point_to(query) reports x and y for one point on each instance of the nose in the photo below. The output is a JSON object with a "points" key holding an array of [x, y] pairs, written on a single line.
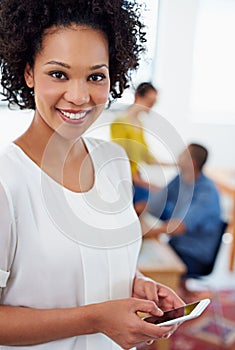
{"points": [[77, 92]]}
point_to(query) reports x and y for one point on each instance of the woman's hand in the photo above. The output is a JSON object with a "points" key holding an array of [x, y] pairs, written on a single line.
{"points": [[163, 296], [118, 320]]}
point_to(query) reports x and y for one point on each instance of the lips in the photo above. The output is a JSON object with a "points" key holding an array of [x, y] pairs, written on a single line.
{"points": [[71, 116]]}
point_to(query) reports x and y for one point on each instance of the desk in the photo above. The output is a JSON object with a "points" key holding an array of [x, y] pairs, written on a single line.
{"points": [[158, 261], [225, 181]]}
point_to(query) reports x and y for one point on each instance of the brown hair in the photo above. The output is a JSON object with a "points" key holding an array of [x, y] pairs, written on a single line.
{"points": [[199, 153]]}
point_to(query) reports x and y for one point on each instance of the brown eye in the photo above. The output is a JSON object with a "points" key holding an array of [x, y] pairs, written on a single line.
{"points": [[58, 75], [97, 77]]}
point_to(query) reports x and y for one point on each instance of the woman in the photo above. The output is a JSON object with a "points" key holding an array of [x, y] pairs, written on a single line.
{"points": [[128, 132], [69, 235]]}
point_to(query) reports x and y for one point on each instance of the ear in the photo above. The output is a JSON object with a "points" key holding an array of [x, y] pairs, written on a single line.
{"points": [[28, 75], [195, 165]]}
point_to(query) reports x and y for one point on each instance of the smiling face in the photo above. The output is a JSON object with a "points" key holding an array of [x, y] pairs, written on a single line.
{"points": [[70, 78]]}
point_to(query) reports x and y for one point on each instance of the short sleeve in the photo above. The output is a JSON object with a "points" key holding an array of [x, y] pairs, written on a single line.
{"points": [[7, 235]]}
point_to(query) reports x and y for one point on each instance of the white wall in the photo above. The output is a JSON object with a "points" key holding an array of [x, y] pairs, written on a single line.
{"points": [[13, 124], [173, 74]]}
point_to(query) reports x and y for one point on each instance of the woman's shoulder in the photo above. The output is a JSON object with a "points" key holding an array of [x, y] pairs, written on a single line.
{"points": [[7, 155], [10, 163]]}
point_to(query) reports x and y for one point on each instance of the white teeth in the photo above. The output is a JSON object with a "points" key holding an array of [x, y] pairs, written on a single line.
{"points": [[74, 115]]}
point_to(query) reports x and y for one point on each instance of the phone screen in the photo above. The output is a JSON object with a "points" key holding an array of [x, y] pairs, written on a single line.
{"points": [[172, 314]]}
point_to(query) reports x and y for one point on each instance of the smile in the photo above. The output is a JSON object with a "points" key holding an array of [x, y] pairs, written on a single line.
{"points": [[74, 116]]}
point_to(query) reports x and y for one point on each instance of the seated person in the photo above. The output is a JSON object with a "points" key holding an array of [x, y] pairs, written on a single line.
{"points": [[128, 132], [190, 211]]}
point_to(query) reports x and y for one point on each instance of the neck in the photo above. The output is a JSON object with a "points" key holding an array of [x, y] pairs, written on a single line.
{"points": [[190, 176], [44, 145], [135, 109]]}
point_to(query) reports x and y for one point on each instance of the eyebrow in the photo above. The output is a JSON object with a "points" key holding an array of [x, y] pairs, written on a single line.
{"points": [[65, 65]]}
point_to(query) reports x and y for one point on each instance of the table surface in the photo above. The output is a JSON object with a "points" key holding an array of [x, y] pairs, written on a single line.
{"points": [[222, 176], [158, 261], [156, 255]]}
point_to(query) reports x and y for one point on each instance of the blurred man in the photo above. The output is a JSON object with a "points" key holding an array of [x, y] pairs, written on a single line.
{"points": [[190, 211]]}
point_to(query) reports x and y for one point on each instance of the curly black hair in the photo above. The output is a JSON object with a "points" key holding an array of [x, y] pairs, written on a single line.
{"points": [[23, 23]]}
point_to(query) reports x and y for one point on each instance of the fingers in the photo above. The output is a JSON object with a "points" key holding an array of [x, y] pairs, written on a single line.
{"points": [[151, 291], [152, 331], [127, 328], [149, 332], [165, 335], [147, 306], [168, 298], [161, 295]]}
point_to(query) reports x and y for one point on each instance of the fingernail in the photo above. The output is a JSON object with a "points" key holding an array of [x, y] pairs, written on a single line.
{"points": [[166, 336]]}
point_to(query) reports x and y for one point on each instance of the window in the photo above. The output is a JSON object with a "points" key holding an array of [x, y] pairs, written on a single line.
{"points": [[145, 70], [213, 75]]}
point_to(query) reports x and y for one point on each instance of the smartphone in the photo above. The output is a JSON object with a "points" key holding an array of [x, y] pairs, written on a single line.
{"points": [[181, 314]]}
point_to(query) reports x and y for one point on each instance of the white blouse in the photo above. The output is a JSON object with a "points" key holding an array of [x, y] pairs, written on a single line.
{"points": [[63, 249]]}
